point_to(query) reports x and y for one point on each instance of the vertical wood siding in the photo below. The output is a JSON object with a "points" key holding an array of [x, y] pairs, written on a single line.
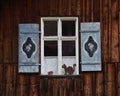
{"points": [[104, 83]]}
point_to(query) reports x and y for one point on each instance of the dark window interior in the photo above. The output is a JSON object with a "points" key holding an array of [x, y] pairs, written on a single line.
{"points": [[50, 28], [50, 48], [68, 48], [68, 28]]}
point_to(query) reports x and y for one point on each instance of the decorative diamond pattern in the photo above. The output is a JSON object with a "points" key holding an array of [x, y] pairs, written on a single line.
{"points": [[90, 46], [29, 47]]}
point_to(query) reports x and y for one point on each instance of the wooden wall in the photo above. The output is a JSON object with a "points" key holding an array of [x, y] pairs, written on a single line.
{"points": [[104, 83]]}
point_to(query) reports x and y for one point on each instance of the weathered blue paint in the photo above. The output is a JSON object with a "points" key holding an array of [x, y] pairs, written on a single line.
{"points": [[90, 46], [28, 48]]}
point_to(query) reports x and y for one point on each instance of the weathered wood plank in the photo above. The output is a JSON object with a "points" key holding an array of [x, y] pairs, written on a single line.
{"points": [[114, 37], [89, 10], [105, 31], [100, 75], [53, 7], [118, 78], [78, 87], [87, 84], [7, 52], [118, 91], [44, 5], [74, 7], [1, 80], [50, 89], [79, 9], [83, 12], [15, 21], [28, 10], [119, 35], [42, 87], [118, 75], [70, 87], [34, 12], [96, 10], [99, 84], [62, 87], [23, 86], [10, 79], [34, 86], [31, 11], [1, 44], [15, 51], [23, 10], [64, 8], [111, 84], [1, 34]]}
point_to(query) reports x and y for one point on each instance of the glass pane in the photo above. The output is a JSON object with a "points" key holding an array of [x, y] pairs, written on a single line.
{"points": [[68, 28], [51, 67], [50, 48], [70, 63], [68, 48], [50, 28]]}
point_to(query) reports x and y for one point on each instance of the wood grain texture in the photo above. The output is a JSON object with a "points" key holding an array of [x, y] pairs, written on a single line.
{"points": [[1, 42], [104, 33], [9, 80], [7, 35], [99, 88], [111, 86], [104, 83], [96, 10], [1, 80], [118, 75], [88, 84], [1, 34], [23, 86], [89, 11], [34, 86], [114, 34]]}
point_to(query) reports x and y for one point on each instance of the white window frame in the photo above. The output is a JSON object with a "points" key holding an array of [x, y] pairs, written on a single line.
{"points": [[59, 38]]}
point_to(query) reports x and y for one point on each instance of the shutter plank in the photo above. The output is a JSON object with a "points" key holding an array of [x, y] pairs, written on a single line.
{"points": [[28, 48], [90, 47]]}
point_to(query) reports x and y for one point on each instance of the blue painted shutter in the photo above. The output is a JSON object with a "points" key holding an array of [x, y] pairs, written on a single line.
{"points": [[90, 47], [28, 59]]}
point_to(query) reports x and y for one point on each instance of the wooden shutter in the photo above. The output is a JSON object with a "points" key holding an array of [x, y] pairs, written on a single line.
{"points": [[90, 47], [28, 59]]}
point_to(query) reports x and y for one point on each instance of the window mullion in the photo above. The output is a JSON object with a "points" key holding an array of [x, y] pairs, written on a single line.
{"points": [[59, 47], [77, 46], [42, 47]]}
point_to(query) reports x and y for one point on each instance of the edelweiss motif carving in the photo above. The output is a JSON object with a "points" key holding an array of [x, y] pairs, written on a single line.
{"points": [[90, 46], [29, 47]]}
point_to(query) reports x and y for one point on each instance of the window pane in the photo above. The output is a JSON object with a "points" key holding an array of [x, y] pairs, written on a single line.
{"points": [[50, 28], [68, 28], [68, 48], [50, 48]]}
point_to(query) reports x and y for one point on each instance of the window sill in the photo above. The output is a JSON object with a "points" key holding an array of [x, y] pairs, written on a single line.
{"points": [[59, 76]]}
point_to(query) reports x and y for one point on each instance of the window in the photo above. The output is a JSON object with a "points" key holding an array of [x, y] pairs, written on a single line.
{"points": [[59, 46]]}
